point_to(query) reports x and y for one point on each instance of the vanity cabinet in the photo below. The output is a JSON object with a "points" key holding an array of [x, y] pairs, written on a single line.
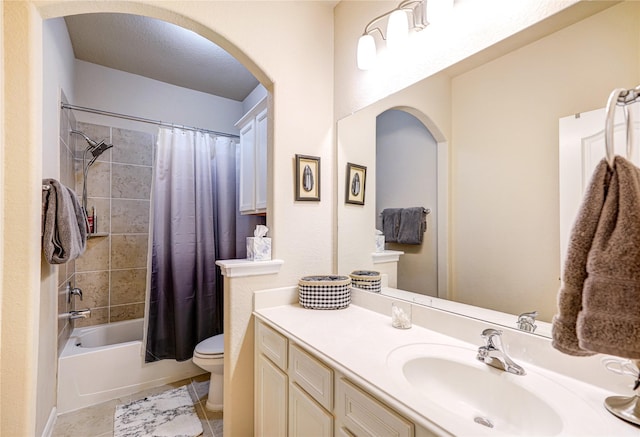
{"points": [[295, 388], [253, 159]]}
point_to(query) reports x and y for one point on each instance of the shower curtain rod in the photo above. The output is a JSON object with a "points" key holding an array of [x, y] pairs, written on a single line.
{"points": [[145, 120]]}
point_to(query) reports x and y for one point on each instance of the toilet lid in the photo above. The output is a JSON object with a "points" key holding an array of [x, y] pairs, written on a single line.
{"points": [[211, 346]]}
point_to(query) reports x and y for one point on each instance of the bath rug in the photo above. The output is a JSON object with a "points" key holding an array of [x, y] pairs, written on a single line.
{"points": [[168, 414]]}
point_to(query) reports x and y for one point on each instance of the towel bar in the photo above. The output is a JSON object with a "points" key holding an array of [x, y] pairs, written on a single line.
{"points": [[46, 187]]}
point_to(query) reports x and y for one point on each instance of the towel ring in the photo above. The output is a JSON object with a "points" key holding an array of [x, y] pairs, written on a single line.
{"points": [[623, 97]]}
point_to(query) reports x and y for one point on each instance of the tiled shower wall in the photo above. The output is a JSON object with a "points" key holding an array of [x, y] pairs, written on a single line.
{"points": [[113, 270], [66, 272]]}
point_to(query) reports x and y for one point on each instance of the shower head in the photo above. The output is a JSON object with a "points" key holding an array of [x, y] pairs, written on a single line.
{"points": [[95, 148], [100, 148], [83, 135]]}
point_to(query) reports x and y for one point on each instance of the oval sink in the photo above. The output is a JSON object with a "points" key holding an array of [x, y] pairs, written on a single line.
{"points": [[452, 378]]}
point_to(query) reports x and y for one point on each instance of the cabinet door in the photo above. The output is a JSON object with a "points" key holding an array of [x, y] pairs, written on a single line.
{"points": [[306, 417], [247, 167], [261, 160], [271, 400]]}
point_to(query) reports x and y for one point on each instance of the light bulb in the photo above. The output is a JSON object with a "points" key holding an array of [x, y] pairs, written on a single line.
{"points": [[366, 52], [397, 29]]}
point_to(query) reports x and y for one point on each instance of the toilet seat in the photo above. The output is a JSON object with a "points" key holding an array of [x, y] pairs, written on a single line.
{"points": [[212, 347]]}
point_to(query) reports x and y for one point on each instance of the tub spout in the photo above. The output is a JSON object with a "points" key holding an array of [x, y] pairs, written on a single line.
{"points": [[80, 314]]}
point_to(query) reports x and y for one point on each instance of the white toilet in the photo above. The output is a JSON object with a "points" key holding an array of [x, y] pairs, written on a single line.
{"points": [[209, 355]]}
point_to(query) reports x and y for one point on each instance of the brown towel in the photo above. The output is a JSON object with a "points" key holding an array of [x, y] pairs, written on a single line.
{"points": [[64, 227], [599, 300]]}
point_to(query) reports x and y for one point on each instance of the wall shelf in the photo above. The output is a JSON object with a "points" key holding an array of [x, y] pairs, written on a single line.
{"points": [[98, 234]]}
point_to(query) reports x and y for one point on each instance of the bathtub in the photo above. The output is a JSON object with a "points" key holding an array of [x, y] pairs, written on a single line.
{"points": [[105, 362]]}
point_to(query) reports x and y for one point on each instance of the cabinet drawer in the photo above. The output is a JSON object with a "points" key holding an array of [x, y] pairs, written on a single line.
{"points": [[363, 416], [313, 376], [272, 345]]}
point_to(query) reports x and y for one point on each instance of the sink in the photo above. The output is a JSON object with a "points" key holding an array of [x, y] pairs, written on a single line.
{"points": [[451, 378]]}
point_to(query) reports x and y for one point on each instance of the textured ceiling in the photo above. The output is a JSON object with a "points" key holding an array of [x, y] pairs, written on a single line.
{"points": [[160, 51]]}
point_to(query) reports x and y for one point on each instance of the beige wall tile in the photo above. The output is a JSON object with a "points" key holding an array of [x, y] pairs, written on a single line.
{"points": [[98, 317], [129, 251], [132, 147], [98, 179], [96, 256], [130, 181], [129, 216], [95, 289], [103, 213], [128, 286], [127, 312]]}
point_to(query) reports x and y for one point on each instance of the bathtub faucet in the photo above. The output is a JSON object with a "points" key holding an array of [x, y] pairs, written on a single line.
{"points": [[80, 314], [71, 291]]}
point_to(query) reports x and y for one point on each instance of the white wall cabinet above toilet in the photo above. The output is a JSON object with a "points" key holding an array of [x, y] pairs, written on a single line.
{"points": [[253, 159]]}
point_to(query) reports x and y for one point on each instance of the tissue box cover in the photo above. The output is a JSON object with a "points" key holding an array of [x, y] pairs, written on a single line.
{"points": [[258, 248], [379, 243]]}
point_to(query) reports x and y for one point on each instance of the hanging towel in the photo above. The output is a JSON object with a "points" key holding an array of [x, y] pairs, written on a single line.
{"points": [[391, 224], [64, 233], [599, 300], [413, 224]]}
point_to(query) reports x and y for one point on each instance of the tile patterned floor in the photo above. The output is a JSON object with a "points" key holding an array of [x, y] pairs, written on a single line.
{"points": [[97, 420]]}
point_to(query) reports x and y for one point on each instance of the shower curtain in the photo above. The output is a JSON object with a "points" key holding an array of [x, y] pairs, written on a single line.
{"points": [[195, 222]]}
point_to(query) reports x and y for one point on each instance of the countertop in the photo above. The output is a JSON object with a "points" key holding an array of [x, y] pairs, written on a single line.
{"points": [[357, 342]]}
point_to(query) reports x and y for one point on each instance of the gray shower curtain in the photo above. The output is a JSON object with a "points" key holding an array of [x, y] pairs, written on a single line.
{"points": [[195, 222]]}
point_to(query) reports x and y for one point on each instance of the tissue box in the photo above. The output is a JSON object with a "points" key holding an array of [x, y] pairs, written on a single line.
{"points": [[258, 248], [379, 243]]}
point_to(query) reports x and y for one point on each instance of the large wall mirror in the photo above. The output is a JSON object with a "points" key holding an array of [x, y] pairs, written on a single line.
{"points": [[495, 126]]}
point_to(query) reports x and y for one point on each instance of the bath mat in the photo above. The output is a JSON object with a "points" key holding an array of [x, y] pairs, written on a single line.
{"points": [[168, 414]]}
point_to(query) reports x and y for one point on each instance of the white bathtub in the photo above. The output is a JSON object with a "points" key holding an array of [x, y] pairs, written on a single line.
{"points": [[105, 362]]}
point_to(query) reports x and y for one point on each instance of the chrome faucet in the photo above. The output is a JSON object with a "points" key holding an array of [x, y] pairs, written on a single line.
{"points": [[73, 292], [493, 353], [79, 314], [527, 321]]}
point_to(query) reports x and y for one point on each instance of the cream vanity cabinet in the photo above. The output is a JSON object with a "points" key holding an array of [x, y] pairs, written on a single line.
{"points": [[297, 395], [253, 159]]}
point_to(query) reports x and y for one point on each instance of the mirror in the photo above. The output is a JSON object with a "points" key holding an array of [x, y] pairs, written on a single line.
{"points": [[495, 123]]}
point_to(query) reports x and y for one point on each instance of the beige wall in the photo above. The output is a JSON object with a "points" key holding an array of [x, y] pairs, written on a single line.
{"points": [[472, 27], [297, 70]]}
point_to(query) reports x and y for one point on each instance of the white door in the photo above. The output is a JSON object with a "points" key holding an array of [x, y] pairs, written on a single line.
{"points": [[581, 149]]}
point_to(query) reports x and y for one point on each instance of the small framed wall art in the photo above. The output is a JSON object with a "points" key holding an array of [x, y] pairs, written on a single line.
{"points": [[355, 184], [307, 178]]}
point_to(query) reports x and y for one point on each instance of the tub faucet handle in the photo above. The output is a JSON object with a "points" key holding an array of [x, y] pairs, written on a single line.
{"points": [[73, 291]]}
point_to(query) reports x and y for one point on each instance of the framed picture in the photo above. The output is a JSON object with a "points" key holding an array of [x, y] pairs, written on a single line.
{"points": [[356, 180], [307, 178]]}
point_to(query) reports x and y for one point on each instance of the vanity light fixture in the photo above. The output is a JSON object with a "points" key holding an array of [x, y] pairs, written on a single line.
{"points": [[408, 15]]}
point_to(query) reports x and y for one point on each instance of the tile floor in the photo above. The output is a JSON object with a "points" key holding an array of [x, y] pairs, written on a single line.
{"points": [[97, 420]]}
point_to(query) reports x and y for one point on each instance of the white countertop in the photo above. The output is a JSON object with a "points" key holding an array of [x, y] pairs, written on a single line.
{"points": [[357, 342]]}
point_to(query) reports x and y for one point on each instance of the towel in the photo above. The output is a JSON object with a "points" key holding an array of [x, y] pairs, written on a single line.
{"points": [[391, 224], [599, 299], [413, 224], [64, 233]]}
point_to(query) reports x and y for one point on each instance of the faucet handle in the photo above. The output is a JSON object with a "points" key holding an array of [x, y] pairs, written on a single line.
{"points": [[492, 337], [527, 321]]}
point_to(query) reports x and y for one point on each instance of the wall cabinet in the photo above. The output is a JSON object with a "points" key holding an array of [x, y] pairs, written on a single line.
{"points": [[253, 159], [314, 399]]}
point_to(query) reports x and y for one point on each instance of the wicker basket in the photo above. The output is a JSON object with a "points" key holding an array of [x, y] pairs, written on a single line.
{"points": [[324, 292], [367, 280]]}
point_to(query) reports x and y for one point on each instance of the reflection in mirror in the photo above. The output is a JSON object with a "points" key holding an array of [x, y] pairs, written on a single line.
{"points": [[406, 166], [498, 114]]}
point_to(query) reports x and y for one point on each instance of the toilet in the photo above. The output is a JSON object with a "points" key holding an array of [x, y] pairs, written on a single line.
{"points": [[209, 355]]}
